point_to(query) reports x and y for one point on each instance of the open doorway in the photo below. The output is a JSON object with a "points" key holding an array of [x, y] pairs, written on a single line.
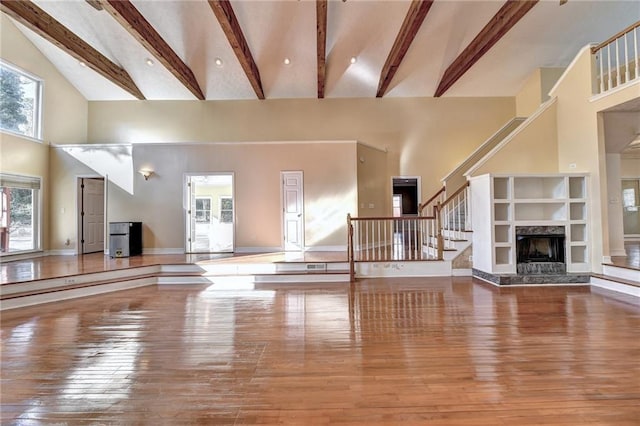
{"points": [[91, 214], [405, 195], [210, 213]]}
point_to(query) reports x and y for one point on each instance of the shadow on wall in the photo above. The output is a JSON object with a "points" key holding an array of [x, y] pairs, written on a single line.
{"points": [[114, 162]]}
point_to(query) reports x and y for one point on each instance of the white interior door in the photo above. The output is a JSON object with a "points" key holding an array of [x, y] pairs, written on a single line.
{"points": [[293, 211], [92, 215]]}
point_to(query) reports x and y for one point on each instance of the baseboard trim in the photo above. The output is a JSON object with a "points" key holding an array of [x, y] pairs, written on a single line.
{"points": [[64, 252], [326, 248], [618, 252], [176, 250], [257, 249]]}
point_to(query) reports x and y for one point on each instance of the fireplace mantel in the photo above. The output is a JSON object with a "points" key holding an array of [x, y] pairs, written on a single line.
{"points": [[500, 203]]}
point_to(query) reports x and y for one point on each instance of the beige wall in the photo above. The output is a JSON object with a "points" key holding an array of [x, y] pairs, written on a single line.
{"points": [[373, 183], [64, 120], [426, 137], [535, 90], [532, 150], [330, 189], [614, 190], [528, 98]]}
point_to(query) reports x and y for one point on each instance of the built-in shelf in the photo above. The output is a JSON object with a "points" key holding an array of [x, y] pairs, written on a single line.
{"points": [[502, 233], [579, 232], [501, 212], [503, 255], [538, 211], [501, 188], [527, 200]]}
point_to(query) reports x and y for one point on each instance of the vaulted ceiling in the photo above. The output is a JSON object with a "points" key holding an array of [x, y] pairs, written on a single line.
{"points": [[264, 49]]}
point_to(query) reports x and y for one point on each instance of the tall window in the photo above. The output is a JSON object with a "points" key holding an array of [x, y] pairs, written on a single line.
{"points": [[226, 209], [20, 101], [19, 213]]}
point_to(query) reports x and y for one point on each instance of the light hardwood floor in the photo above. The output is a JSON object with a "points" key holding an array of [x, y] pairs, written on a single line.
{"points": [[429, 351]]}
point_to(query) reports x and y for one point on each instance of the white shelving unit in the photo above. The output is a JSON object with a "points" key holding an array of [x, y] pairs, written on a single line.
{"points": [[502, 202]]}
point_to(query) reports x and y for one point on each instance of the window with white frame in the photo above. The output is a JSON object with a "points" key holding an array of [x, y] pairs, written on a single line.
{"points": [[203, 209], [19, 213], [20, 101], [226, 209]]}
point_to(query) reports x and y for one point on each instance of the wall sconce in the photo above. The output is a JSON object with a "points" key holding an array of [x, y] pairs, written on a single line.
{"points": [[145, 173]]}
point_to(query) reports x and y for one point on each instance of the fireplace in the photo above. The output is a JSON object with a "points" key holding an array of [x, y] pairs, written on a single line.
{"points": [[540, 250]]}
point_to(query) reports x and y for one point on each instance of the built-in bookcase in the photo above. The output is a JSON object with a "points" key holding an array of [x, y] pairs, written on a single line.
{"points": [[502, 202]]}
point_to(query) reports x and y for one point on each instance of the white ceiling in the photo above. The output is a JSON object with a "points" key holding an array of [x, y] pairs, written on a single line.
{"points": [[550, 35]]}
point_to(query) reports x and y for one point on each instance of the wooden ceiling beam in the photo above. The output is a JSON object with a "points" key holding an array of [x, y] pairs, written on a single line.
{"points": [[229, 23], [126, 14], [38, 21], [412, 22], [321, 30], [508, 15]]}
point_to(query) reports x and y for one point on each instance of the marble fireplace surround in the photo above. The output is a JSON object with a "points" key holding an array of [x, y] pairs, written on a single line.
{"points": [[541, 268], [536, 272]]}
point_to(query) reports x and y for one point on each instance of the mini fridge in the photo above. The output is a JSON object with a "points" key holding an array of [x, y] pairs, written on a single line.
{"points": [[125, 239]]}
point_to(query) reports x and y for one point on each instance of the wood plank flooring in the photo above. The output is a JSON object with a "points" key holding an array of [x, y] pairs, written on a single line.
{"points": [[429, 351]]}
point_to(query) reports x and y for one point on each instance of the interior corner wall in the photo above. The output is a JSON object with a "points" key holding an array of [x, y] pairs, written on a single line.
{"points": [[528, 98], [533, 150], [64, 118], [373, 185], [548, 78]]}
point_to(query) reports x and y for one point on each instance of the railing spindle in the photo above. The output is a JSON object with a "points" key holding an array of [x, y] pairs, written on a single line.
{"points": [[609, 67], [635, 42], [617, 64], [626, 59]]}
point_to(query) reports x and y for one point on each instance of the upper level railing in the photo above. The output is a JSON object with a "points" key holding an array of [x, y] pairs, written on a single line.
{"points": [[617, 59]]}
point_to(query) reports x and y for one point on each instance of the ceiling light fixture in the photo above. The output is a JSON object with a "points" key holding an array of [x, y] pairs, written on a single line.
{"points": [[82, 64], [149, 62], [287, 61], [219, 62], [353, 60]]}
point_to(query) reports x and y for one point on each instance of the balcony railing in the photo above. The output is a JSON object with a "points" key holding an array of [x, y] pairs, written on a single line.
{"points": [[617, 59]]}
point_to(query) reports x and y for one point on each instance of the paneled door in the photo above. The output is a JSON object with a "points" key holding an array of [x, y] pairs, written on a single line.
{"points": [[292, 210], [92, 214]]}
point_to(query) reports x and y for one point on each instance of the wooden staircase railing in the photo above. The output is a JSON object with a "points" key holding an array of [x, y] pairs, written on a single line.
{"points": [[454, 215], [410, 238], [431, 203]]}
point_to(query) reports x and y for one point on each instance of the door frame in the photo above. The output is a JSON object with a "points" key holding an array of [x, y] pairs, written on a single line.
{"points": [[282, 210], [419, 189], [186, 204], [78, 211]]}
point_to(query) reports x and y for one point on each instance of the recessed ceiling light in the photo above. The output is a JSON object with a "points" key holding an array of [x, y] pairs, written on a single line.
{"points": [[149, 62], [82, 64], [353, 60], [287, 61], [219, 62]]}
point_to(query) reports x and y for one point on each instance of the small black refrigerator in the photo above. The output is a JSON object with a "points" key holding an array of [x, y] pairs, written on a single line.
{"points": [[125, 239]]}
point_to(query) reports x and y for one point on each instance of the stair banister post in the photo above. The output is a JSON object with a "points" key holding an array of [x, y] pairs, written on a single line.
{"points": [[440, 240], [352, 268]]}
